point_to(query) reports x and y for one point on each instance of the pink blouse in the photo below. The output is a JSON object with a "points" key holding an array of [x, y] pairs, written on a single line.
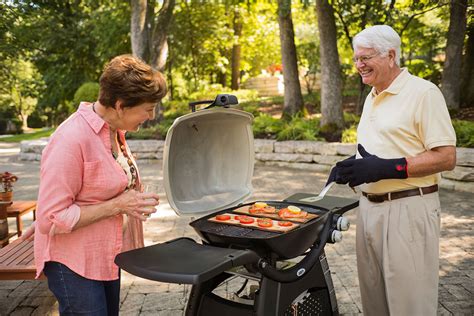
{"points": [[77, 168]]}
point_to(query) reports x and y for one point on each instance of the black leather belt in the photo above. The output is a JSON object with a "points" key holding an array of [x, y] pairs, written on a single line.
{"points": [[379, 198]]}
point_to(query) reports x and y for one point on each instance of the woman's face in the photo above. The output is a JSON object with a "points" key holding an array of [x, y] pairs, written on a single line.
{"points": [[131, 118]]}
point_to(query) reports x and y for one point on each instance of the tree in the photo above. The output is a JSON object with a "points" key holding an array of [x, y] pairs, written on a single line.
{"points": [[467, 90], [20, 88], [75, 41], [237, 22], [149, 32], [293, 100], [450, 84], [331, 80]]}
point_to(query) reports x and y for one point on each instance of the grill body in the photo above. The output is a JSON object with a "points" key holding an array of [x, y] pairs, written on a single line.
{"points": [[267, 244]]}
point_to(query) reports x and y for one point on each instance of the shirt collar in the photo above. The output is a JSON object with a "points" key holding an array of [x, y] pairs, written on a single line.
{"points": [[92, 118], [397, 84]]}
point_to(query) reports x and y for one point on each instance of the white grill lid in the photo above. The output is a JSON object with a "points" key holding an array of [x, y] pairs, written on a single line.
{"points": [[208, 161]]}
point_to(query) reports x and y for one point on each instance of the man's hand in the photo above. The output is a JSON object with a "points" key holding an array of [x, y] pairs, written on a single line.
{"points": [[334, 175], [369, 168]]}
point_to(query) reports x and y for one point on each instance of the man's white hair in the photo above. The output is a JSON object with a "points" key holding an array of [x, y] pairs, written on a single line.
{"points": [[382, 38]]}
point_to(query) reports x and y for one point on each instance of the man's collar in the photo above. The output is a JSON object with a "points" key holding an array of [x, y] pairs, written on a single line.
{"points": [[397, 84]]}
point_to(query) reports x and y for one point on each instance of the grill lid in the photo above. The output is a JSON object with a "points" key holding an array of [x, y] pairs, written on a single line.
{"points": [[208, 161]]}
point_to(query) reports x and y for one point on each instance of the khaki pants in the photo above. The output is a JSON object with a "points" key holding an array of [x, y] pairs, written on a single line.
{"points": [[397, 245]]}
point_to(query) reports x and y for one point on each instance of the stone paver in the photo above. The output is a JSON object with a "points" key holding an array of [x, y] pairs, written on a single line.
{"points": [[144, 297]]}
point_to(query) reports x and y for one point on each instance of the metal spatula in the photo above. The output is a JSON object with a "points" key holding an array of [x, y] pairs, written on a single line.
{"points": [[321, 194]]}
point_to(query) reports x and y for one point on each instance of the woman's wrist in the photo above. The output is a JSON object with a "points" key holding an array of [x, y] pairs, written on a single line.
{"points": [[114, 207]]}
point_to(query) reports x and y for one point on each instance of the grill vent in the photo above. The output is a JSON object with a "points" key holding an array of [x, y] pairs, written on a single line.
{"points": [[316, 303]]}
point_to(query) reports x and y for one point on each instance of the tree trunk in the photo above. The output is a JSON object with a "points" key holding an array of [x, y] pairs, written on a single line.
{"points": [[363, 91], [236, 50], [159, 47], [450, 83], [293, 100], [138, 29], [467, 90], [331, 79]]}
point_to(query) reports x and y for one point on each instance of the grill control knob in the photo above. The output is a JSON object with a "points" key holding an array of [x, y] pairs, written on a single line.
{"points": [[343, 223], [336, 236]]}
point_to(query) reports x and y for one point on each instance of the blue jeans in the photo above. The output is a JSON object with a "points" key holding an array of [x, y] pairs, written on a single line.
{"points": [[77, 295]]}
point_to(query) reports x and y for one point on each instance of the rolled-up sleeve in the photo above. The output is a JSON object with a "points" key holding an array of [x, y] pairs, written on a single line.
{"points": [[60, 182]]}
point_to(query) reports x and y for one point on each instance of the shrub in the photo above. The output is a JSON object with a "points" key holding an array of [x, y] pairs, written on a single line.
{"points": [[299, 128], [88, 92], [175, 109], [265, 126], [349, 135], [464, 133]]}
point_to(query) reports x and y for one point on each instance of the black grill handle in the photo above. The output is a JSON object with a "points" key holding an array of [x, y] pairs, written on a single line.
{"points": [[299, 270]]}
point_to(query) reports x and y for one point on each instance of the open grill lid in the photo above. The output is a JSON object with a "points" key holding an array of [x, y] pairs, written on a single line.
{"points": [[208, 160]]}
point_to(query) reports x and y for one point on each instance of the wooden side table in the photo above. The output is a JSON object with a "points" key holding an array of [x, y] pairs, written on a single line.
{"points": [[18, 209]]}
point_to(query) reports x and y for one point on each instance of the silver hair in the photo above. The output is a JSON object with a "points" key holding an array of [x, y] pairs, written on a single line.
{"points": [[382, 38]]}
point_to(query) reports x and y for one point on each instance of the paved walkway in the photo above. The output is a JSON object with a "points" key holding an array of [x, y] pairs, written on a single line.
{"points": [[143, 297]]}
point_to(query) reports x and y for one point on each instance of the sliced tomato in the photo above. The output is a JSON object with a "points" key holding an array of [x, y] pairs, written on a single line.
{"points": [[283, 212], [285, 223], [237, 217], [269, 210], [255, 210], [264, 222], [246, 220], [223, 217]]}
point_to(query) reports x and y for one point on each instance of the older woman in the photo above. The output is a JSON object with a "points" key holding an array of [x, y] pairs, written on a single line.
{"points": [[90, 206]]}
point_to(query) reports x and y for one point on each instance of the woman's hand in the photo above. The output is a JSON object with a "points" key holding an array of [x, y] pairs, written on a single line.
{"points": [[136, 204]]}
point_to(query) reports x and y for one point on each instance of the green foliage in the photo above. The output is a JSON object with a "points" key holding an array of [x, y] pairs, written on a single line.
{"points": [[87, 92], [464, 133], [265, 126], [299, 128], [28, 136], [175, 109], [349, 135], [157, 131], [21, 86], [68, 42], [351, 118]]}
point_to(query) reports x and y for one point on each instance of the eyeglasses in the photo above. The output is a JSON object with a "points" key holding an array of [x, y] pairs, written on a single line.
{"points": [[364, 59]]}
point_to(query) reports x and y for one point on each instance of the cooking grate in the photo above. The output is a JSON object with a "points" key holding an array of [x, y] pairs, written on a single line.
{"points": [[314, 303], [233, 231]]}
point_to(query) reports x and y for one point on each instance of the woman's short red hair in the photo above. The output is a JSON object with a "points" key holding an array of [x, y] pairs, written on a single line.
{"points": [[132, 81]]}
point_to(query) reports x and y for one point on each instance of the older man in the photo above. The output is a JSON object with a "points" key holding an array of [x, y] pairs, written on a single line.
{"points": [[405, 139]]}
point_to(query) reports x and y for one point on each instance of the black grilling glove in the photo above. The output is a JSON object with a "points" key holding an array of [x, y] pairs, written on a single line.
{"points": [[334, 175], [370, 168]]}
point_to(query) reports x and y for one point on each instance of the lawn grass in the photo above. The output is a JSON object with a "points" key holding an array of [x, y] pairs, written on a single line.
{"points": [[28, 136]]}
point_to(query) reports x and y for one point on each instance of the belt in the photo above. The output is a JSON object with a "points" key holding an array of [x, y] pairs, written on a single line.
{"points": [[379, 198]]}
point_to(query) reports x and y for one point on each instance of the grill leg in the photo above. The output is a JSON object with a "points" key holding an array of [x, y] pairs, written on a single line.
{"points": [[198, 291], [272, 299], [275, 298]]}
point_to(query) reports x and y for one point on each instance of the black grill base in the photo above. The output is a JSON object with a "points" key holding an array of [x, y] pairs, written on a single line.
{"points": [[273, 298]]}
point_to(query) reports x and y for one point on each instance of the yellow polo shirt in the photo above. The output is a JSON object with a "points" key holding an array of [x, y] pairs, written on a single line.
{"points": [[405, 120]]}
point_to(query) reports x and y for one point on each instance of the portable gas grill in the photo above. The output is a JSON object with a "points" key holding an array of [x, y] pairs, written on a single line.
{"points": [[208, 166]]}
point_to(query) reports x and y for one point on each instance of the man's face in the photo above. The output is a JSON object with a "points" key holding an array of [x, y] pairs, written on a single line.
{"points": [[373, 67]]}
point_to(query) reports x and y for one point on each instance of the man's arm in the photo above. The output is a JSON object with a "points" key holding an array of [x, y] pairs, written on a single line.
{"points": [[432, 161]]}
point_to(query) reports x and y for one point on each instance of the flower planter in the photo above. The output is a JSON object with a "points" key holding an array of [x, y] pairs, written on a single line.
{"points": [[6, 196], [3, 221]]}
